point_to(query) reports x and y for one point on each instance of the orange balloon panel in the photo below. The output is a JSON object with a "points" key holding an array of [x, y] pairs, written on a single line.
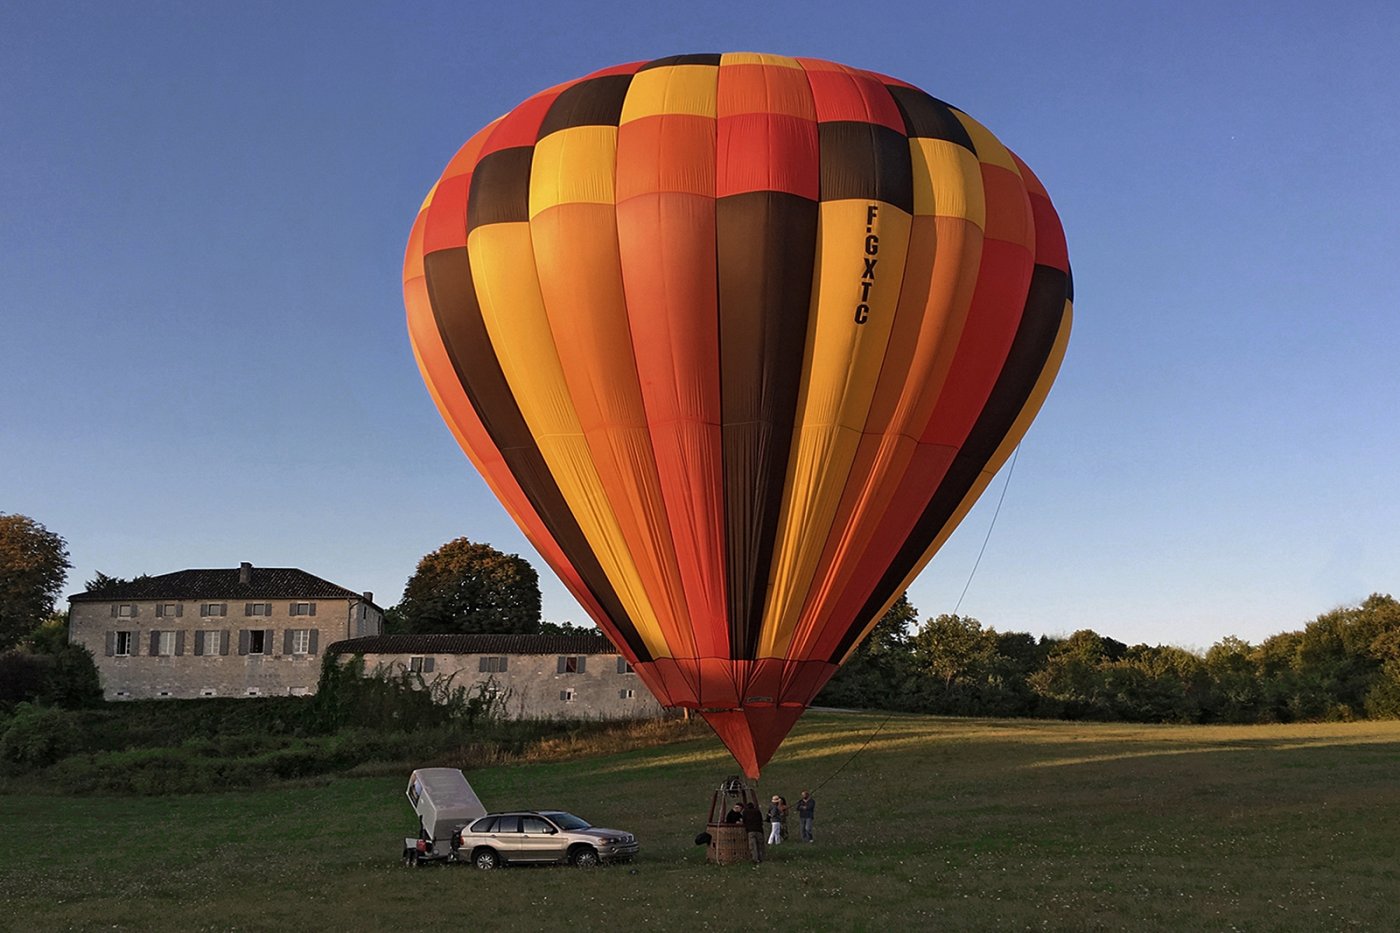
{"points": [[737, 339]]}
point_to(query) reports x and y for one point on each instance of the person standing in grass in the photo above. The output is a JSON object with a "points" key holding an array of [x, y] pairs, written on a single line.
{"points": [[806, 813], [753, 825], [775, 818]]}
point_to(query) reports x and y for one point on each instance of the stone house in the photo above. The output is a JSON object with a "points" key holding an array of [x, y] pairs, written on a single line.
{"points": [[579, 676], [239, 632]]}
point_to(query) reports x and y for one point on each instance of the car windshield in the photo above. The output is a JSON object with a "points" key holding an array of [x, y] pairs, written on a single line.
{"points": [[567, 821]]}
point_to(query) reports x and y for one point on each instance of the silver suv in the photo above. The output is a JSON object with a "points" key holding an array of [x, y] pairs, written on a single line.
{"points": [[541, 836]]}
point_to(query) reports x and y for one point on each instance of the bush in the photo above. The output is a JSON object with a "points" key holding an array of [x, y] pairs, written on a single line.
{"points": [[22, 675], [37, 736]]}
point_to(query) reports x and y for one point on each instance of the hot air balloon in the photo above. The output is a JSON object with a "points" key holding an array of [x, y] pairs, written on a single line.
{"points": [[737, 340]]}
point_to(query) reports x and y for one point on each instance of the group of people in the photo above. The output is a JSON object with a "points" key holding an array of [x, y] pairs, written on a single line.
{"points": [[777, 817]]}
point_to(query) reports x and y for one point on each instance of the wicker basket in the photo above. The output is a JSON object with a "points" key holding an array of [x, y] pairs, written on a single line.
{"points": [[729, 843]]}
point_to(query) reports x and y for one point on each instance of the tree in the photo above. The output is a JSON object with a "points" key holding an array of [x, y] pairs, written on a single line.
{"points": [[33, 565], [468, 587], [952, 645], [566, 628]]}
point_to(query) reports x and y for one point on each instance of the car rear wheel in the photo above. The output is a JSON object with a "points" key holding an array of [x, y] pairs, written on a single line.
{"points": [[486, 859], [584, 857]]}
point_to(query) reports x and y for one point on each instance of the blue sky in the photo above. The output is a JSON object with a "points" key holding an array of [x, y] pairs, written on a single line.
{"points": [[203, 210]]}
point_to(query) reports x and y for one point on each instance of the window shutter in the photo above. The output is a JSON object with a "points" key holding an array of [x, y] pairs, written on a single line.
{"points": [[243, 640], [135, 610], [160, 610], [429, 664], [223, 642], [481, 666], [180, 610], [179, 644], [155, 643], [563, 666], [114, 610], [621, 665], [563, 694], [199, 642], [315, 638], [291, 609], [268, 642], [582, 663], [112, 639], [247, 609], [204, 609], [287, 642]]}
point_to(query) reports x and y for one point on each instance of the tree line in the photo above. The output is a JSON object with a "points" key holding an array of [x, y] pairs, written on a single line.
{"points": [[1345, 664]]}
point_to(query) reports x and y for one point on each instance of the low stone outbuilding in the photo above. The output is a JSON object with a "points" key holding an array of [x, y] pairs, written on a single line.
{"points": [[536, 676], [238, 632]]}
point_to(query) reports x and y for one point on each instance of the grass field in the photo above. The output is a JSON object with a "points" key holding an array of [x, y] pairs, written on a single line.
{"points": [[938, 824]]}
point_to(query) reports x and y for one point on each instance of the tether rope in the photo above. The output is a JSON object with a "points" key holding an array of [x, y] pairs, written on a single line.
{"points": [[977, 563]]}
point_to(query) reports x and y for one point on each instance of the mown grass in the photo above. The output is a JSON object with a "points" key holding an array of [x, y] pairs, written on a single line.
{"points": [[937, 824]]}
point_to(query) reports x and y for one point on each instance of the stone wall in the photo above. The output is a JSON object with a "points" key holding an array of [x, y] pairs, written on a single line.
{"points": [[208, 654], [539, 686]]}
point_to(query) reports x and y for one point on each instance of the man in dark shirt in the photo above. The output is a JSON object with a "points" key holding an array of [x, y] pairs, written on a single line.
{"points": [[735, 814], [806, 813], [753, 825]]}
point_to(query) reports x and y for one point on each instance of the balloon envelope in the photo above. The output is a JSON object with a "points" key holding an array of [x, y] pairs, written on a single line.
{"points": [[737, 340]]}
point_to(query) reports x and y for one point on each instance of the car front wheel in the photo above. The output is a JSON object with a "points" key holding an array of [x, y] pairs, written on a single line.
{"points": [[486, 859], [584, 857]]}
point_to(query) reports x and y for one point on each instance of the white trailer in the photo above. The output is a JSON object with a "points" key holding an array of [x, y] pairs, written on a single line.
{"points": [[444, 802]]}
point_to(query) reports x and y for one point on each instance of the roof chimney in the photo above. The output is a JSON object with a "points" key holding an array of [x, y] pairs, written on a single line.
{"points": [[245, 572], [369, 596]]}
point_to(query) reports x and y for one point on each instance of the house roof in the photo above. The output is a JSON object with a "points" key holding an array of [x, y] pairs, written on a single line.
{"points": [[474, 644], [263, 583]]}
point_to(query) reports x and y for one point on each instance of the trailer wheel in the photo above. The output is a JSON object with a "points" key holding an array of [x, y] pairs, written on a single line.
{"points": [[486, 859]]}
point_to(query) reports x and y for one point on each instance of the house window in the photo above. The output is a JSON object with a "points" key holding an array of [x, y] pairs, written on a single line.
{"points": [[126, 610], [567, 696], [492, 665], [164, 693], [208, 692], [253, 692], [122, 645], [165, 645], [624, 666], [212, 642], [257, 609], [422, 665], [571, 664], [303, 609], [626, 694], [257, 641], [301, 641], [121, 694], [168, 610], [213, 610]]}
